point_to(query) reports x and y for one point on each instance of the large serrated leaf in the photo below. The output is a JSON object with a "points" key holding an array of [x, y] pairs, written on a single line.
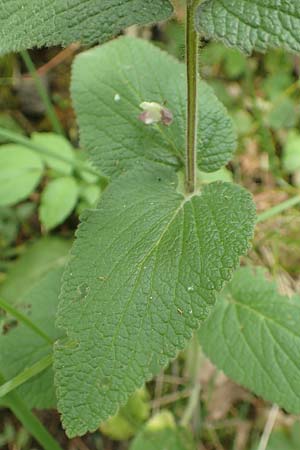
{"points": [[144, 272], [253, 336], [21, 347], [251, 24], [108, 85], [34, 23]]}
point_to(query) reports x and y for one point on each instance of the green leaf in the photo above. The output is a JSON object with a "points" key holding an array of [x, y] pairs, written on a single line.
{"points": [[9, 227], [90, 193], [161, 433], [20, 172], [144, 272], [89, 196], [251, 25], [276, 85], [58, 145], [108, 85], [291, 152], [235, 64], [21, 347], [39, 258], [130, 417], [282, 438], [32, 24], [278, 58], [244, 122], [9, 123], [58, 201], [283, 115], [253, 336], [285, 439], [222, 174]]}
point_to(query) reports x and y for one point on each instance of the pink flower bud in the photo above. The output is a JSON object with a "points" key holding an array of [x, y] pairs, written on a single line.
{"points": [[155, 113]]}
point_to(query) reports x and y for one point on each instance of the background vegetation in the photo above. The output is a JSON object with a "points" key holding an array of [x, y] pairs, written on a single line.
{"points": [[39, 212]]}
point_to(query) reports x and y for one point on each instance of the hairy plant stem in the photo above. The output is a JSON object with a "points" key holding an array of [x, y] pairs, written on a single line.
{"points": [[192, 40], [192, 96], [50, 111]]}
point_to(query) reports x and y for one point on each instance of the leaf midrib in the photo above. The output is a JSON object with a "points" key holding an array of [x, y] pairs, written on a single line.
{"points": [[261, 316], [140, 265]]}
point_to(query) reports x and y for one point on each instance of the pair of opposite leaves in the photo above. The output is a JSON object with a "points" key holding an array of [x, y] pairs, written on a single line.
{"points": [[148, 263]]}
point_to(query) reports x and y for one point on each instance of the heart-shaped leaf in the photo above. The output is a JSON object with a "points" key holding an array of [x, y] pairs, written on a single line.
{"points": [[110, 85], [144, 272]]}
